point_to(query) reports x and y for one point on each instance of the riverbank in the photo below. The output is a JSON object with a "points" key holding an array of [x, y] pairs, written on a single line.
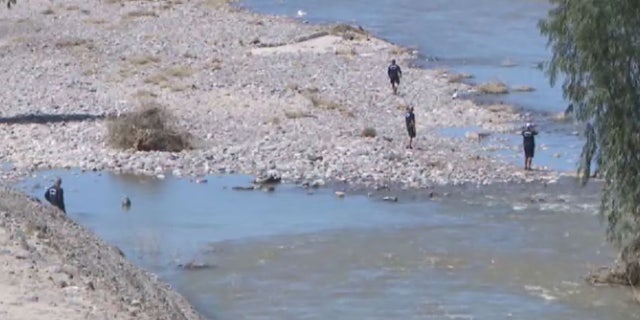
{"points": [[260, 93], [52, 268]]}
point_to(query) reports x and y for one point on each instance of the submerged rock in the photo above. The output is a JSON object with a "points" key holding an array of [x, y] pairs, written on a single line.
{"points": [[269, 188], [192, 265], [239, 188], [390, 199]]}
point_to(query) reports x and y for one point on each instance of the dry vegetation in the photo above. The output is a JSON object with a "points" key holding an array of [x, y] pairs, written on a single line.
{"points": [[95, 21], [298, 114], [218, 3], [75, 43], [398, 51], [348, 32], [458, 77], [135, 63], [145, 94], [213, 65], [18, 40], [313, 94], [179, 72], [143, 60], [495, 87], [349, 51], [369, 132], [501, 108], [274, 121], [164, 78], [402, 107], [151, 128], [140, 14]]}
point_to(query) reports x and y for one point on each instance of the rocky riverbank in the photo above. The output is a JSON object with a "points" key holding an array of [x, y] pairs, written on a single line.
{"points": [[52, 268], [256, 92]]}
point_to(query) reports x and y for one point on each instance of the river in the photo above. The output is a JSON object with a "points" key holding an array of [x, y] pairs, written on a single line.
{"points": [[502, 252]]}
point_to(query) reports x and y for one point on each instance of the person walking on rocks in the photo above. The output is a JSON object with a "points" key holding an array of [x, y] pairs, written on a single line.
{"points": [[395, 73], [55, 195], [410, 120], [529, 143]]}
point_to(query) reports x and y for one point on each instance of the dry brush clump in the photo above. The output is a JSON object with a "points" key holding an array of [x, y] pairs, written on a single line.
{"points": [[495, 87], [137, 63], [140, 14], [400, 51], [369, 132], [348, 32], [73, 43], [95, 21], [166, 78], [458, 77], [150, 128], [313, 94], [298, 114], [348, 51], [144, 59], [216, 4]]}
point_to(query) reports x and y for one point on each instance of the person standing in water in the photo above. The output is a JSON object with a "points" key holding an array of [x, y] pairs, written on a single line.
{"points": [[395, 73], [55, 195], [410, 120], [529, 144]]}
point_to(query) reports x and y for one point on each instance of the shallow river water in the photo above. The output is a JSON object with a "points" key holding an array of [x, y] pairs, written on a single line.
{"points": [[512, 252], [493, 40]]}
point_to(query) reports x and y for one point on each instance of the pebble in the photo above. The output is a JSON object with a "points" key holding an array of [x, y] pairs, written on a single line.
{"points": [[319, 142]]}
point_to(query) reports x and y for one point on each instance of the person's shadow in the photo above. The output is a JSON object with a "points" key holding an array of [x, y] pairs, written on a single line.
{"points": [[43, 118]]}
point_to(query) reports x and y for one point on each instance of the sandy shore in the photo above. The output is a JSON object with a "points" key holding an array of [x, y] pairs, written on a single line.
{"points": [[257, 93], [52, 268]]}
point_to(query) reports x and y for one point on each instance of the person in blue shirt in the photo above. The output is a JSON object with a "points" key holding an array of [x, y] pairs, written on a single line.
{"points": [[395, 73], [410, 120], [529, 144]]}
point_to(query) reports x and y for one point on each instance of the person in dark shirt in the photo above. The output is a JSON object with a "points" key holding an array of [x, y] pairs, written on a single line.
{"points": [[394, 73], [410, 120], [55, 195], [529, 144]]}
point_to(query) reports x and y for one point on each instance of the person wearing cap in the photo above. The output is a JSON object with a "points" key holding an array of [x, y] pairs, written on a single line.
{"points": [[529, 144], [55, 195], [394, 72]]}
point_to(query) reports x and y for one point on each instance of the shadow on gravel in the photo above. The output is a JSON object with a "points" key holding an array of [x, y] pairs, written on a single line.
{"points": [[49, 118]]}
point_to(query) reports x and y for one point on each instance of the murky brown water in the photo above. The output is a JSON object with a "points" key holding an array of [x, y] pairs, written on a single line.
{"points": [[509, 252]]}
